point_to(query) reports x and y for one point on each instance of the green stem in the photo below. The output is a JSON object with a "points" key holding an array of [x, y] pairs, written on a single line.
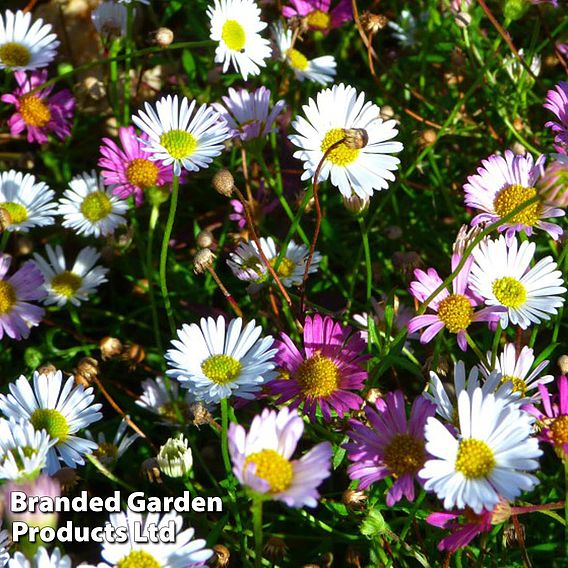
{"points": [[477, 351], [128, 63], [496, 340], [113, 75], [257, 529], [154, 215], [164, 254], [4, 240], [225, 435], [366, 248]]}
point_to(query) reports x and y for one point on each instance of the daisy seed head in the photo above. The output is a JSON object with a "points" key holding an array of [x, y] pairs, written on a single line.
{"points": [[355, 138], [203, 260], [224, 182], [205, 239]]}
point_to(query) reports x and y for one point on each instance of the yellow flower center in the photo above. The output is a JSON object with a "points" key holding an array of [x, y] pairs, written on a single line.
{"points": [[107, 453], [510, 292], [96, 206], [221, 369], [138, 559], [7, 297], [319, 19], [341, 155], [66, 284], [233, 34], [455, 312], [508, 199], [404, 454], [14, 54], [518, 384], [297, 59], [142, 173], [52, 421], [286, 266], [318, 376], [559, 431], [34, 111], [178, 143], [17, 212], [475, 459], [273, 468]]}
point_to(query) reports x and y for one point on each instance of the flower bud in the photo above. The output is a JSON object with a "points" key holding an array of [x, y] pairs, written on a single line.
{"points": [[175, 458], [110, 347], [205, 239], [87, 371], [563, 364], [163, 37], [356, 205]]}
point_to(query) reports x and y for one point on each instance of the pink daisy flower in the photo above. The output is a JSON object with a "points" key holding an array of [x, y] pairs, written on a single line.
{"points": [[17, 314], [41, 112], [318, 14], [128, 169], [262, 458], [454, 311], [462, 533], [554, 417], [390, 446], [557, 103], [502, 184], [324, 371]]}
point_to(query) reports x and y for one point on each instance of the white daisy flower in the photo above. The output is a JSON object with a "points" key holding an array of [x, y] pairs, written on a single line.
{"points": [[75, 285], [502, 275], [338, 112], [28, 203], [180, 138], [110, 19], [23, 48], [446, 399], [236, 25], [59, 409], [487, 460], [517, 369], [42, 559], [215, 363], [4, 544], [108, 453], [23, 449], [320, 70], [247, 264], [185, 552], [91, 209]]}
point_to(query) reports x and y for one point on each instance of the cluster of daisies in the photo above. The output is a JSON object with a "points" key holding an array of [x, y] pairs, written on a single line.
{"points": [[474, 446]]}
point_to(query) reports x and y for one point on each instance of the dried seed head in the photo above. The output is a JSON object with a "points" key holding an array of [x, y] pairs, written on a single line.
{"points": [[355, 138], [563, 364], [327, 559], [373, 395], [222, 556], [163, 37], [203, 260], [5, 219], [134, 354], [428, 137], [224, 182], [386, 112], [373, 23], [68, 478], [94, 88], [151, 470], [110, 347], [200, 414], [275, 549], [87, 371], [354, 500], [511, 537], [353, 557], [47, 369], [205, 239]]}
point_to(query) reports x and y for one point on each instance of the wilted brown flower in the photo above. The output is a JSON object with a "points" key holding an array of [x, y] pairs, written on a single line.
{"points": [[110, 347], [151, 470], [222, 556], [87, 371]]}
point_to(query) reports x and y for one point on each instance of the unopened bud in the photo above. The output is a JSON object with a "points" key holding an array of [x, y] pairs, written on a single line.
{"points": [[163, 37], [463, 19], [356, 205], [110, 347], [355, 138], [205, 239], [203, 260], [563, 364], [175, 458], [134, 355], [224, 182]]}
